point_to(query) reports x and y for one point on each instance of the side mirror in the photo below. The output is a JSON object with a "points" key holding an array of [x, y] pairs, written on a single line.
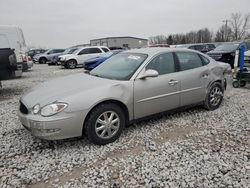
{"points": [[149, 73]]}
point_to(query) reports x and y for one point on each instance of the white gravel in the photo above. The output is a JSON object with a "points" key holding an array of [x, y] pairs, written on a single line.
{"points": [[193, 148]]}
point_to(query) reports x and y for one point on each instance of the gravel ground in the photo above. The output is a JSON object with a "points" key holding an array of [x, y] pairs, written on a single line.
{"points": [[193, 148]]}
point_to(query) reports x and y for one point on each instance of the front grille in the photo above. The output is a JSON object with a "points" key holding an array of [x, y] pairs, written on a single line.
{"points": [[23, 109], [215, 56]]}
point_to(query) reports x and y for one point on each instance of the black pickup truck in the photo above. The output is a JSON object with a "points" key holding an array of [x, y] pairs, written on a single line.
{"points": [[8, 65]]}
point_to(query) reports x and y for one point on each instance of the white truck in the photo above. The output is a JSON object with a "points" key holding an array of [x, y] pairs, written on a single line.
{"points": [[12, 37]]}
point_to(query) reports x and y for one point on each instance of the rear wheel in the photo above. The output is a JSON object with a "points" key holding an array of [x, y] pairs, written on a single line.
{"points": [[243, 83], [105, 124], [71, 64], [214, 96], [236, 84]]}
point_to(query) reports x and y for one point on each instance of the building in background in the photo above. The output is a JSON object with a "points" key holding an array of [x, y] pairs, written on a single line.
{"points": [[120, 42]]}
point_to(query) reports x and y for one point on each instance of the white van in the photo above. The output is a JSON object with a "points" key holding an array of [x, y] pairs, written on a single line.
{"points": [[12, 37]]}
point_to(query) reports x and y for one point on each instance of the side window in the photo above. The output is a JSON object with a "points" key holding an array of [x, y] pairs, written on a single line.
{"points": [[163, 64], [94, 50], [105, 49], [189, 60], [59, 51], [204, 59], [84, 51]]}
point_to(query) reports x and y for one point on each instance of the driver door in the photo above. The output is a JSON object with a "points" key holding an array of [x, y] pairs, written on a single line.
{"points": [[158, 94]]}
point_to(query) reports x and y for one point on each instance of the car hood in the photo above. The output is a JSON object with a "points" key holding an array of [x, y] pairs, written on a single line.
{"points": [[247, 53], [60, 88], [219, 52], [67, 56]]}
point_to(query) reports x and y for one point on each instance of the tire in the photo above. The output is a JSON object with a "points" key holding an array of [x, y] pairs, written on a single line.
{"points": [[236, 84], [99, 118], [214, 96], [243, 83], [42, 60], [71, 64]]}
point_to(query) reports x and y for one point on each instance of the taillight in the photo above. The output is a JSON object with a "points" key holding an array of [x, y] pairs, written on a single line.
{"points": [[24, 58], [29, 58]]}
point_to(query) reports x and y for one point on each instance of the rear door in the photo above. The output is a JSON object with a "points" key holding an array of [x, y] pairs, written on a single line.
{"points": [[88, 53], [194, 77], [154, 95]]}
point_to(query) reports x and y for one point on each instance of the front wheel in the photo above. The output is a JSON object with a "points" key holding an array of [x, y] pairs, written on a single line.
{"points": [[42, 60], [71, 64], [214, 96], [105, 124]]}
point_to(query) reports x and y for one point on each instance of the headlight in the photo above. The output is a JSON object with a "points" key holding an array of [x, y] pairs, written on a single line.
{"points": [[36, 109], [62, 58], [53, 109]]}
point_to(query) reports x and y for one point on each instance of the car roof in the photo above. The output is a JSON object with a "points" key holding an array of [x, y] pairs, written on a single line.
{"points": [[155, 50], [92, 47]]}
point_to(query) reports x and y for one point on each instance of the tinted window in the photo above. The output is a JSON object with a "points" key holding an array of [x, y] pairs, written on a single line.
{"points": [[105, 49], [163, 64], [189, 60], [59, 51], [84, 51], [94, 50]]}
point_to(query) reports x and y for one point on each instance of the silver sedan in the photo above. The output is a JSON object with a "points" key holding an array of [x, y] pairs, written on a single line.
{"points": [[127, 87]]}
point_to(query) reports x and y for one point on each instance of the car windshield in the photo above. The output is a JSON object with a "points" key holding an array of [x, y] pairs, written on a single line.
{"points": [[108, 54], [46, 52], [120, 67], [227, 47]]}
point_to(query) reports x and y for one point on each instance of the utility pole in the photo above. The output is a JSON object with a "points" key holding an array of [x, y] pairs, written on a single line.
{"points": [[226, 37]]}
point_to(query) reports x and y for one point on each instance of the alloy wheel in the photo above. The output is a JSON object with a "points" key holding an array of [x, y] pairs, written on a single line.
{"points": [[107, 125], [215, 96]]}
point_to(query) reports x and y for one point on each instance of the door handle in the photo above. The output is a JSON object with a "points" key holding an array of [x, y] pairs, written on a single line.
{"points": [[173, 82], [205, 75]]}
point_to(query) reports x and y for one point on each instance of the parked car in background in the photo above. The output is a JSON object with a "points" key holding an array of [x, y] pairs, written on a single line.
{"points": [[94, 62], [47, 55], [226, 52], [127, 87], [159, 45], [204, 48], [29, 62], [78, 58], [12, 37], [33, 52], [8, 65], [247, 58], [55, 60]]}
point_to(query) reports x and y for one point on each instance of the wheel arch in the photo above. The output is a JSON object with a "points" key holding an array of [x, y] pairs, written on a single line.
{"points": [[71, 59], [43, 57], [215, 81], [112, 101]]}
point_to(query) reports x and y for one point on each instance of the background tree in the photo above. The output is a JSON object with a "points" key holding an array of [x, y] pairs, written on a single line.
{"points": [[224, 34], [159, 39], [239, 25]]}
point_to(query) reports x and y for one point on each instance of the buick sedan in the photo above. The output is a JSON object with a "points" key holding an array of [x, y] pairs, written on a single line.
{"points": [[128, 86]]}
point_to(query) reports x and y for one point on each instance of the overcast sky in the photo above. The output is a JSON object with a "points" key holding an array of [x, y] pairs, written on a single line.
{"points": [[63, 23]]}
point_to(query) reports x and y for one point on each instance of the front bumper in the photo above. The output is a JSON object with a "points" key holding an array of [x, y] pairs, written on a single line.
{"points": [[60, 126]]}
